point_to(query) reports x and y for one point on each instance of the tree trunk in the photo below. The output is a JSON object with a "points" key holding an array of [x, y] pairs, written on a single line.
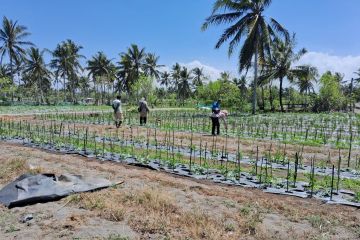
{"points": [[262, 99], [57, 92], [271, 98], [12, 76], [64, 89], [255, 81], [281, 94]]}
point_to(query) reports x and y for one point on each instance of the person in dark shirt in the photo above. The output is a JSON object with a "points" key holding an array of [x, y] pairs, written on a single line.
{"points": [[215, 119], [143, 110]]}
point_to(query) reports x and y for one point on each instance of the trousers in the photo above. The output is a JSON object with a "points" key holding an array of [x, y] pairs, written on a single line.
{"points": [[143, 120], [215, 126]]}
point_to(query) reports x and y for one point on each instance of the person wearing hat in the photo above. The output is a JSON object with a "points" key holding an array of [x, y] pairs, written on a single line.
{"points": [[143, 110], [116, 105], [216, 105]]}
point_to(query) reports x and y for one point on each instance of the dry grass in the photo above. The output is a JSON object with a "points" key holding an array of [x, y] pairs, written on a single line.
{"points": [[151, 211], [10, 169]]}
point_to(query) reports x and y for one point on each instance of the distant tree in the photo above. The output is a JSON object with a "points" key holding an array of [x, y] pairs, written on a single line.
{"points": [[37, 73], [176, 75], [12, 40], [357, 79], [184, 89], [279, 64], [225, 76], [144, 87], [198, 76], [306, 78], [151, 66], [7, 87], [165, 79], [5, 71], [84, 85], [101, 70], [130, 66], [66, 63], [241, 83], [251, 24], [330, 94]]}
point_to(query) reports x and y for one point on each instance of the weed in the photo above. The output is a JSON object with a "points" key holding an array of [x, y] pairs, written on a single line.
{"points": [[11, 229], [229, 227], [316, 221], [117, 237]]}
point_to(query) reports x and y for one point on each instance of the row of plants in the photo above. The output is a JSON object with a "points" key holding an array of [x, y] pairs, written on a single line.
{"points": [[337, 130], [202, 159]]}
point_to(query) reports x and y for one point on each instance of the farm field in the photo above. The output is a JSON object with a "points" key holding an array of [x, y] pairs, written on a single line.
{"points": [[179, 120], [304, 179], [156, 205]]}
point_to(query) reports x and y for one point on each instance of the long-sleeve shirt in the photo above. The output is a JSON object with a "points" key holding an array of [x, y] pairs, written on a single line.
{"points": [[220, 115], [116, 104], [143, 108]]}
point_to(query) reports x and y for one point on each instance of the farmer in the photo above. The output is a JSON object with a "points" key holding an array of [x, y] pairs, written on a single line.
{"points": [[215, 105], [116, 105], [143, 110], [215, 119]]}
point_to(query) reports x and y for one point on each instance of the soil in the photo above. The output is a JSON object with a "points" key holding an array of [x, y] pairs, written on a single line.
{"points": [[324, 155], [157, 205]]}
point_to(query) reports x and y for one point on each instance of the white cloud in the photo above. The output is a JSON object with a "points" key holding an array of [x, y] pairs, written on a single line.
{"points": [[326, 62], [210, 72]]}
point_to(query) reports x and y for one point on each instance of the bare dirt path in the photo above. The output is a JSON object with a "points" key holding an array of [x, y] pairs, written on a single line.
{"points": [[156, 205]]}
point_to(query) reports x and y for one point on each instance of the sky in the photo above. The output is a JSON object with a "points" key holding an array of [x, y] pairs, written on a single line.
{"points": [[328, 29]]}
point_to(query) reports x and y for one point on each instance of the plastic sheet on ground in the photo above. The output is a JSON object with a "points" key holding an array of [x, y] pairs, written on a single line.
{"points": [[40, 188]]}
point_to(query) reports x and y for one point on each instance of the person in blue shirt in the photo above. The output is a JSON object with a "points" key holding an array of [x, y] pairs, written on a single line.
{"points": [[216, 105]]}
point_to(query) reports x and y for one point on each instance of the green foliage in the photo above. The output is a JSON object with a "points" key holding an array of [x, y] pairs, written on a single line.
{"points": [[330, 95], [143, 87], [7, 88], [226, 91]]}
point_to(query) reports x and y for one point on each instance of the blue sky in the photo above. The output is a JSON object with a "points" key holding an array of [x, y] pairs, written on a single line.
{"points": [[171, 28]]}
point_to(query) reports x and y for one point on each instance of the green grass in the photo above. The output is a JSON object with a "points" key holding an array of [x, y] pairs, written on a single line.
{"points": [[23, 109]]}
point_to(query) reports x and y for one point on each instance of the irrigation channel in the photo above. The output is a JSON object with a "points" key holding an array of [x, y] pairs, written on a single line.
{"points": [[287, 176], [335, 130]]}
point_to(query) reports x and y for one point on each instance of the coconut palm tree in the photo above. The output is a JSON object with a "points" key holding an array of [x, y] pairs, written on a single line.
{"points": [[131, 65], [84, 85], [241, 84], [66, 62], [165, 79], [12, 43], [125, 74], [307, 76], [75, 67], [176, 75], [151, 66], [225, 76], [358, 76], [198, 76], [137, 58], [251, 26], [184, 90], [279, 64], [101, 69], [37, 73]]}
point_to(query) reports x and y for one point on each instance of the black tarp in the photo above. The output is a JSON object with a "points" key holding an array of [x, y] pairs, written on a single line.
{"points": [[30, 189]]}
